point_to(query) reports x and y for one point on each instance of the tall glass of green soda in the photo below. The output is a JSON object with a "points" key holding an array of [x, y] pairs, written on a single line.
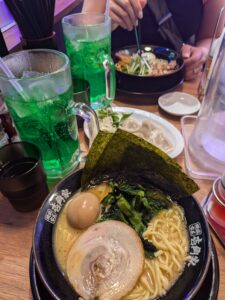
{"points": [[39, 98], [88, 45]]}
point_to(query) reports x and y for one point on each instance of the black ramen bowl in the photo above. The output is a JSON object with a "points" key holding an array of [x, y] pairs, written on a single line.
{"points": [[185, 287], [150, 84]]}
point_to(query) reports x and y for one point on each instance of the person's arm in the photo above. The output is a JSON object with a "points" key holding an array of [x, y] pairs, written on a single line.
{"points": [[124, 13], [211, 13], [195, 57], [94, 6]]}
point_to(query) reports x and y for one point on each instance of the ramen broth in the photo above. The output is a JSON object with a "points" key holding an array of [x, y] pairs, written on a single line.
{"points": [[65, 235], [167, 231]]}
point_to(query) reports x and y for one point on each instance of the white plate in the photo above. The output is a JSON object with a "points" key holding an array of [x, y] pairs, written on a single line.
{"points": [[179, 103], [171, 132]]}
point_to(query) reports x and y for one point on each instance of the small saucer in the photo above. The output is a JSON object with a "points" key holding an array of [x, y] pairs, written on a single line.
{"points": [[179, 103]]}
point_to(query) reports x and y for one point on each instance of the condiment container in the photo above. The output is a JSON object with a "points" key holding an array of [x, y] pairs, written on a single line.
{"points": [[216, 206]]}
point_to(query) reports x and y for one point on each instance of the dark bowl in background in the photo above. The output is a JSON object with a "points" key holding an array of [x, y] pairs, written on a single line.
{"points": [[185, 287], [150, 84]]}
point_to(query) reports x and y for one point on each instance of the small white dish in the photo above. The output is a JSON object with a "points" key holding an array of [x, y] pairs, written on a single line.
{"points": [[179, 103]]}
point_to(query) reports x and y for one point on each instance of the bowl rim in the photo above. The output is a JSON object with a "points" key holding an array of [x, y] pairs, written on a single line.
{"points": [[145, 76], [35, 228], [192, 292]]}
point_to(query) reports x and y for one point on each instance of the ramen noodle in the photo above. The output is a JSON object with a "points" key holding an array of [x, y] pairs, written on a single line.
{"points": [[146, 64], [166, 231]]}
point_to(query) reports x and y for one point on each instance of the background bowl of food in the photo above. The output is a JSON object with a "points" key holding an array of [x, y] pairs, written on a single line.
{"points": [[155, 71], [102, 233]]}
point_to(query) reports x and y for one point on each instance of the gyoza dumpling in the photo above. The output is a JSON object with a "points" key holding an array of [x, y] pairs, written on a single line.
{"points": [[131, 125], [146, 128], [162, 142]]}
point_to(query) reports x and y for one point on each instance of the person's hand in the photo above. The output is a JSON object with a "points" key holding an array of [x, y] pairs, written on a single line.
{"points": [[194, 59], [125, 13]]}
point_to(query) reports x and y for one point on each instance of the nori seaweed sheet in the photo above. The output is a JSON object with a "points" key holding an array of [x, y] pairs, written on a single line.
{"points": [[97, 149], [125, 153]]}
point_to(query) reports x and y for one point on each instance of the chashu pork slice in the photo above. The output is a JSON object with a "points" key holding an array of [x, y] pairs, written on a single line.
{"points": [[106, 261]]}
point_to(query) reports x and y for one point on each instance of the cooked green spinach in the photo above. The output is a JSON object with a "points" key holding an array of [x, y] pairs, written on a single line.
{"points": [[135, 206]]}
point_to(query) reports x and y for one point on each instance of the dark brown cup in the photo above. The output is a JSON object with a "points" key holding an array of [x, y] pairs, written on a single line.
{"points": [[22, 178]]}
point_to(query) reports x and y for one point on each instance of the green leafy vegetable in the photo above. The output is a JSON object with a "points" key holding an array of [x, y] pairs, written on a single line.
{"points": [[117, 118], [135, 206], [112, 213], [124, 117], [134, 217]]}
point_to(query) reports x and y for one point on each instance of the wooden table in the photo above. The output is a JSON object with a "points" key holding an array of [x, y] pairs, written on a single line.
{"points": [[16, 228]]}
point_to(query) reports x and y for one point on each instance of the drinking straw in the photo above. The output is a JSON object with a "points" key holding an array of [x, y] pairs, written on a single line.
{"points": [[13, 81], [35, 18], [107, 8]]}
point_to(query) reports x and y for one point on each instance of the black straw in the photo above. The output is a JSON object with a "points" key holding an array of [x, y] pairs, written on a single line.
{"points": [[35, 18]]}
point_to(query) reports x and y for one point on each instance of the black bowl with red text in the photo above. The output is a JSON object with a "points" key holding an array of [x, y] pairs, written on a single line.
{"points": [[187, 285]]}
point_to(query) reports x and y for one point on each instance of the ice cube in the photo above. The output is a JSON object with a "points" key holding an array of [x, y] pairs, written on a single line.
{"points": [[37, 91], [30, 108], [21, 109], [42, 89]]}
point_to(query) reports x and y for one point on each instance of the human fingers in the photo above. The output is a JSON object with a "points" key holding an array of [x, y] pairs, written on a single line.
{"points": [[143, 3], [197, 57], [198, 63], [116, 21], [194, 65], [193, 73], [121, 15], [130, 9], [137, 8], [114, 25], [186, 51]]}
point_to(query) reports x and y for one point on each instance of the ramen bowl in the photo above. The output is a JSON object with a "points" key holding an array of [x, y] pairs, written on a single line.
{"points": [[185, 287], [146, 84]]}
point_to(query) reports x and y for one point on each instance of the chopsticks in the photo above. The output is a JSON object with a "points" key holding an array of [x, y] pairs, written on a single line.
{"points": [[137, 32]]}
